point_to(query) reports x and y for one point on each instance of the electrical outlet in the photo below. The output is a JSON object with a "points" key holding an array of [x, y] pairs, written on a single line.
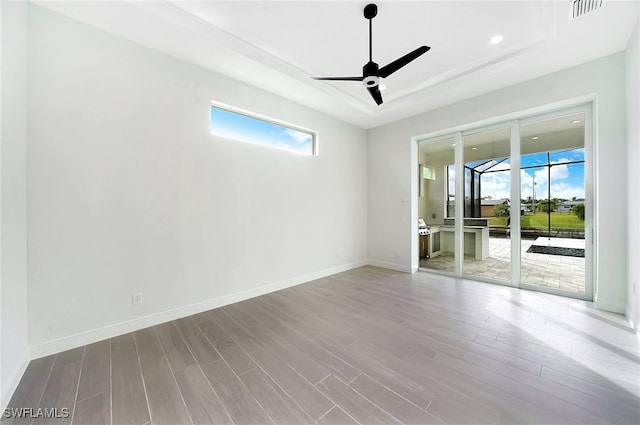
{"points": [[136, 298]]}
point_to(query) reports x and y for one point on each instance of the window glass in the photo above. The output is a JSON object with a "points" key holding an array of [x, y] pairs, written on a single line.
{"points": [[571, 155], [246, 128]]}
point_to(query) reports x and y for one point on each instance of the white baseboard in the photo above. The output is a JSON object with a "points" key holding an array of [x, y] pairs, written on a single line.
{"points": [[8, 393], [392, 266], [95, 335]]}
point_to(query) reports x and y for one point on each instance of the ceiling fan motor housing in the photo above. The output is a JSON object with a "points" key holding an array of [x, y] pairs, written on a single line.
{"points": [[370, 75]]}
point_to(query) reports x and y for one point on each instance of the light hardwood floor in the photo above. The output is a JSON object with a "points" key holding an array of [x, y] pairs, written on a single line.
{"points": [[365, 346]]}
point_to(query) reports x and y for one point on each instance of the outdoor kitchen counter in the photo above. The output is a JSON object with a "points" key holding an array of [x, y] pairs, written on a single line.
{"points": [[476, 240]]}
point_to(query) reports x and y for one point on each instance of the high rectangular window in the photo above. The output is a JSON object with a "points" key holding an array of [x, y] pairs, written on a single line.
{"points": [[235, 124]]}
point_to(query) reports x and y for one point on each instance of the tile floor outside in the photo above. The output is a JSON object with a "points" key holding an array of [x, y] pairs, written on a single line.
{"points": [[554, 271]]}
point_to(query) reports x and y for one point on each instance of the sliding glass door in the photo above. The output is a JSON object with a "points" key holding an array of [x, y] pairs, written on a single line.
{"points": [[510, 203], [554, 201], [487, 187], [437, 205]]}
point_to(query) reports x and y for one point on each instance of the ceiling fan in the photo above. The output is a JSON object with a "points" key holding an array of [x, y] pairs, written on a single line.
{"points": [[371, 73]]}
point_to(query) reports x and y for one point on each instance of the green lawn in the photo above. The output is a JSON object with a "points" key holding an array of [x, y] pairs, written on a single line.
{"points": [[539, 220], [498, 221]]}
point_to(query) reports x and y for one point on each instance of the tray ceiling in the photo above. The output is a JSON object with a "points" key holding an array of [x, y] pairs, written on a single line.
{"points": [[278, 46]]}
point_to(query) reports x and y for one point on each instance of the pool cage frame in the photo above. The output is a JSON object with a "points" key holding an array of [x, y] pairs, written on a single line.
{"points": [[473, 191]]}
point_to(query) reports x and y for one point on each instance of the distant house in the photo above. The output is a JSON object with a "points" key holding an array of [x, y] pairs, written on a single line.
{"points": [[487, 205], [566, 206]]}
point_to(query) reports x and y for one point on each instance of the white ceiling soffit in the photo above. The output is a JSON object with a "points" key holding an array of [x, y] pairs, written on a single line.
{"points": [[278, 45]]}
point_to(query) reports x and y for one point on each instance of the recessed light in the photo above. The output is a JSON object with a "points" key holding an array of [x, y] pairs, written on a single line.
{"points": [[575, 121], [453, 144], [382, 87], [535, 138], [496, 39], [473, 149]]}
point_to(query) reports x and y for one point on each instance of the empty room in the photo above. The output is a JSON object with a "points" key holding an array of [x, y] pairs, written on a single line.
{"points": [[320, 212]]}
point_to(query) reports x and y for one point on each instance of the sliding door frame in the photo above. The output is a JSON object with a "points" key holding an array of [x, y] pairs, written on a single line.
{"points": [[514, 131], [590, 225], [514, 123]]}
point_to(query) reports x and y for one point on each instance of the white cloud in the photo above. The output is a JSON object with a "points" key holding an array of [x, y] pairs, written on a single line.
{"points": [[297, 136], [558, 172], [560, 187], [563, 182], [564, 191], [496, 185]]}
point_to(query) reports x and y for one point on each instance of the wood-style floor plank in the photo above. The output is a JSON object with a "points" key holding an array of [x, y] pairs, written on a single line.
{"points": [[380, 346], [228, 349], [175, 348], [308, 348], [280, 407], [238, 401], [96, 371], [392, 403], [94, 410], [129, 403], [199, 345], [202, 402], [308, 324], [478, 385], [337, 416], [166, 405], [586, 370], [62, 386], [403, 385], [309, 398], [303, 364], [31, 387], [358, 407], [623, 402]]}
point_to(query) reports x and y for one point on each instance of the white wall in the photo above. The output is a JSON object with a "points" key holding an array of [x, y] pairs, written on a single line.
{"points": [[633, 175], [435, 193], [432, 199], [390, 150], [13, 258], [129, 192]]}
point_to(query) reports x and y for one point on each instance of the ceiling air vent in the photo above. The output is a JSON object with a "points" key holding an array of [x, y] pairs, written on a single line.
{"points": [[578, 8]]}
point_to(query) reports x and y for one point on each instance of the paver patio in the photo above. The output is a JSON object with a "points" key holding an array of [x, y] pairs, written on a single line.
{"points": [[553, 271]]}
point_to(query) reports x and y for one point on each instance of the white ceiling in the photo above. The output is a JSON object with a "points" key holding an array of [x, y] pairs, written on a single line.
{"points": [[278, 46]]}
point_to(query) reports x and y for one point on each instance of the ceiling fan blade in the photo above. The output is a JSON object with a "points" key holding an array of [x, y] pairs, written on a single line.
{"points": [[389, 69], [338, 78], [375, 94]]}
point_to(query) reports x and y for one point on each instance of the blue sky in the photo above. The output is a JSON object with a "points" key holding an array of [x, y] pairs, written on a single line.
{"points": [[246, 129], [567, 180]]}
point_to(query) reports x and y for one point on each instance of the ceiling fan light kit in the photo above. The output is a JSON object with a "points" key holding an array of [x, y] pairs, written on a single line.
{"points": [[371, 81], [371, 72]]}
